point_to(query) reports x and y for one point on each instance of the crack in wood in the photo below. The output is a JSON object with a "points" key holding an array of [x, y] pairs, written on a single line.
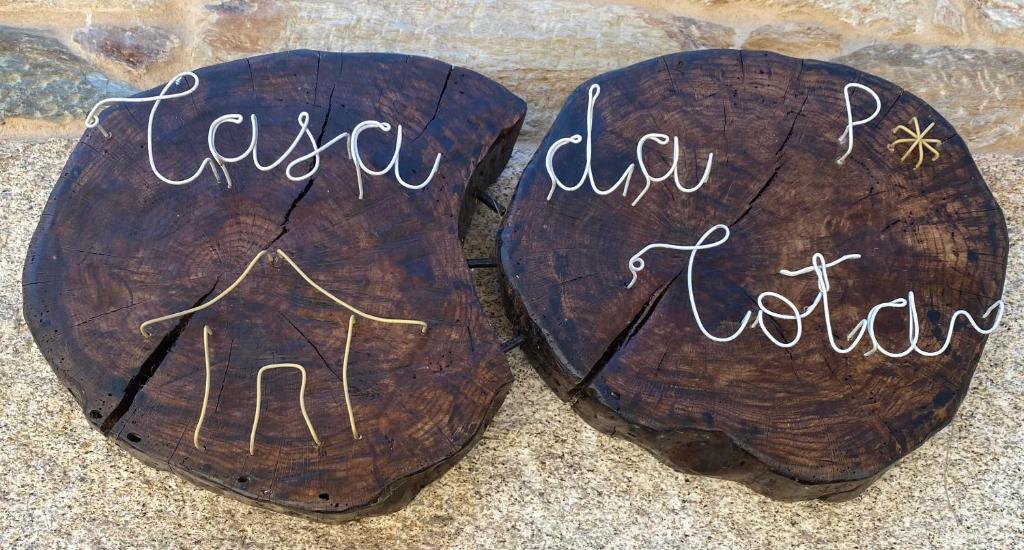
{"points": [[309, 184], [150, 365], [622, 339], [437, 106], [764, 187], [789, 134], [311, 344]]}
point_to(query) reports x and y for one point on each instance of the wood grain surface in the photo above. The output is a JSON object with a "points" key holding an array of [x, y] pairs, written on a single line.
{"points": [[116, 247], [798, 423]]}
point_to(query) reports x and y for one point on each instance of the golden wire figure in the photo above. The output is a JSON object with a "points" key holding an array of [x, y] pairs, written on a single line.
{"points": [[259, 376], [259, 395], [917, 140], [206, 389]]}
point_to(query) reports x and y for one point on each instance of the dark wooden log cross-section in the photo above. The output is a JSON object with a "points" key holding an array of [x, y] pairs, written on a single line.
{"points": [[116, 247], [792, 423]]}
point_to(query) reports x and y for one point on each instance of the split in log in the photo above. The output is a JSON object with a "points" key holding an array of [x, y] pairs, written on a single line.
{"points": [[116, 247], [793, 423]]}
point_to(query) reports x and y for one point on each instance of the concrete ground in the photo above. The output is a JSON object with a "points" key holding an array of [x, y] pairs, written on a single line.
{"points": [[540, 477]]}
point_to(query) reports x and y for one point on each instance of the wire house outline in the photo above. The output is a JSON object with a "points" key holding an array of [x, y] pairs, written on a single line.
{"points": [[355, 312]]}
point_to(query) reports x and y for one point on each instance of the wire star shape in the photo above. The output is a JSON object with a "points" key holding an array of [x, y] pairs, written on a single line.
{"points": [[917, 141]]}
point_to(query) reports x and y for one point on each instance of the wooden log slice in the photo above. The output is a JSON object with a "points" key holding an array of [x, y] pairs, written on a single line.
{"points": [[792, 423], [116, 247]]}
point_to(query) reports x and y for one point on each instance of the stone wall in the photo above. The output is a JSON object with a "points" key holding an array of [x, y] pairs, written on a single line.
{"points": [[966, 57]]}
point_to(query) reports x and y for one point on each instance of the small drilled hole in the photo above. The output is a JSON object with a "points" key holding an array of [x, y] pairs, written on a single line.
{"points": [[95, 414], [325, 496], [134, 438], [243, 479]]}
